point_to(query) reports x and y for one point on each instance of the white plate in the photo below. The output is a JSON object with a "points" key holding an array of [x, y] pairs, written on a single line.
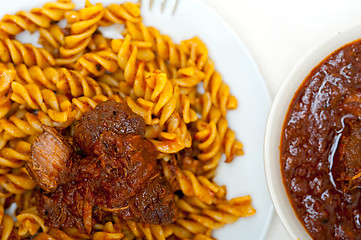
{"points": [[245, 175]]}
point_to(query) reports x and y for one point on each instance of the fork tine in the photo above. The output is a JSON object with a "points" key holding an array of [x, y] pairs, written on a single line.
{"points": [[175, 6], [151, 3], [163, 4]]}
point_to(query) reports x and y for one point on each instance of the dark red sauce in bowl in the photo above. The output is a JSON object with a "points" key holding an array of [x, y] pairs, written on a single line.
{"points": [[321, 147]]}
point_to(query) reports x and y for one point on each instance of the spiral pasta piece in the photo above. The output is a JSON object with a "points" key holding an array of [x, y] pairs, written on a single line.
{"points": [[6, 222], [61, 80], [17, 52], [16, 182], [5, 104], [170, 57], [160, 91], [126, 58], [53, 234], [220, 96], [175, 137], [156, 103], [36, 75], [108, 231], [141, 33], [80, 33], [14, 157], [231, 146], [23, 123], [189, 114], [120, 13], [29, 222], [37, 17], [193, 186], [206, 108], [51, 38], [99, 43], [210, 142], [25, 200], [216, 215], [18, 126], [58, 107], [6, 78], [72, 82], [148, 231], [96, 63]]}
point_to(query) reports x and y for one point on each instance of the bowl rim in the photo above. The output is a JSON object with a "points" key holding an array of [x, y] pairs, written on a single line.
{"points": [[277, 114]]}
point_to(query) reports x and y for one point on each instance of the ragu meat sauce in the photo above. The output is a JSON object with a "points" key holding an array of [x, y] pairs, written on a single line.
{"points": [[321, 147]]}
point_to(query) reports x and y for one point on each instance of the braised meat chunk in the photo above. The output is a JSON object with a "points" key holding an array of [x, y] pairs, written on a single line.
{"points": [[50, 160], [154, 204], [347, 161], [117, 173], [107, 116]]}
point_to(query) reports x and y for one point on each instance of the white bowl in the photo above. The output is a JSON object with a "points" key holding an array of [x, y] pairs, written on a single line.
{"points": [[275, 123]]}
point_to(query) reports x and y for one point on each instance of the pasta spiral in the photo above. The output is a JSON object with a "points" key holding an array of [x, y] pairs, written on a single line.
{"points": [[18, 126], [120, 14], [36, 75], [96, 63], [62, 80], [29, 223], [58, 107], [37, 17], [17, 52], [51, 38], [99, 43], [219, 94], [231, 146], [80, 33], [157, 103], [16, 182], [6, 78], [126, 59], [147, 231], [218, 214], [74, 83], [6, 221]]}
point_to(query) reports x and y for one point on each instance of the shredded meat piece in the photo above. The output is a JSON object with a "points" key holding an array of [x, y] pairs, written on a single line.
{"points": [[347, 161], [50, 160], [346, 167], [116, 174]]}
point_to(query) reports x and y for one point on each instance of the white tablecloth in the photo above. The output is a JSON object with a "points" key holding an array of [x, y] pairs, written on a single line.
{"points": [[278, 33]]}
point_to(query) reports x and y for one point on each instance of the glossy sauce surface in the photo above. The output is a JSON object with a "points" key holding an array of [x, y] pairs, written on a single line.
{"points": [[320, 150]]}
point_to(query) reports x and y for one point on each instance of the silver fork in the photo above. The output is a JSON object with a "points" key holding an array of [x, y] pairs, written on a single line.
{"points": [[164, 3]]}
